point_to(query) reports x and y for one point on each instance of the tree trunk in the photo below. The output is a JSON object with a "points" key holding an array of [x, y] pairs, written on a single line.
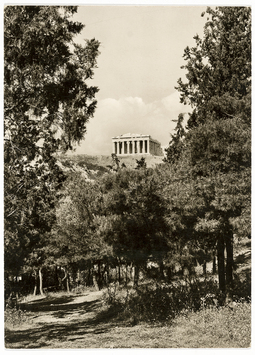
{"points": [[116, 273], [36, 282], [106, 274], [126, 275], [214, 265], [40, 281], [230, 261], [169, 273], [204, 268], [136, 275], [66, 277], [119, 273], [99, 277], [56, 278], [221, 264], [161, 270], [88, 282], [67, 283], [94, 277]]}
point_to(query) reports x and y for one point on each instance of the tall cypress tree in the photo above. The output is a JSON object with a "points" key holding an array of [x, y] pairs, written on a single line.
{"points": [[218, 89]]}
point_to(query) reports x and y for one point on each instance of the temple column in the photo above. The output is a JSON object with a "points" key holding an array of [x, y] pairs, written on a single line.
{"points": [[130, 147]]}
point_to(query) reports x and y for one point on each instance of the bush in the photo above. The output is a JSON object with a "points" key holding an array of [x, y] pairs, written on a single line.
{"points": [[160, 302], [14, 317], [241, 287]]}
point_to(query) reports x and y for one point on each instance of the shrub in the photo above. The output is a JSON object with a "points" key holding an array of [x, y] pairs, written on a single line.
{"points": [[241, 286], [14, 317], [160, 302]]}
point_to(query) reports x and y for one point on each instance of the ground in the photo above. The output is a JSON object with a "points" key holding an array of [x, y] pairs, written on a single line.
{"points": [[72, 321], [82, 320]]}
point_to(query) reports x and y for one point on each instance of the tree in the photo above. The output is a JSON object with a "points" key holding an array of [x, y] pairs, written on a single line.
{"points": [[47, 103], [219, 157], [216, 149], [76, 237], [176, 144], [141, 164], [219, 67], [134, 221]]}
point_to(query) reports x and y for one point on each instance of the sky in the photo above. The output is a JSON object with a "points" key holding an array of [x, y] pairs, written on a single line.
{"points": [[141, 55]]}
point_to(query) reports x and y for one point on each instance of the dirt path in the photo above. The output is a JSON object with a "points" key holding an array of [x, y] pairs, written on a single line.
{"points": [[57, 317], [79, 321], [65, 308]]}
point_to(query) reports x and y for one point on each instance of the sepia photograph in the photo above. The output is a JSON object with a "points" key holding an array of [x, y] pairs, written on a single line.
{"points": [[127, 176]]}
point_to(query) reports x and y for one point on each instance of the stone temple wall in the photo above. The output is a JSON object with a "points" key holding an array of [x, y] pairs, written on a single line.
{"points": [[131, 144]]}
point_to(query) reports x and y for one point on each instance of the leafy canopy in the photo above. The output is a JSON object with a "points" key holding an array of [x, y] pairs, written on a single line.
{"points": [[47, 103]]}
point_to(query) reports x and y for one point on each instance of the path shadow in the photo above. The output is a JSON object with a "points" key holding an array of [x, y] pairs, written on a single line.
{"points": [[45, 304], [41, 334], [44, 334], [60, 307]]}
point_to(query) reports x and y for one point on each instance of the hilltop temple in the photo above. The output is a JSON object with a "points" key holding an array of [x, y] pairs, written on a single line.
{"points": [[130, 144]]}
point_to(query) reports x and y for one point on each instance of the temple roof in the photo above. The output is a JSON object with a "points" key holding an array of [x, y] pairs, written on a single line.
{"points": [[132, 135]]}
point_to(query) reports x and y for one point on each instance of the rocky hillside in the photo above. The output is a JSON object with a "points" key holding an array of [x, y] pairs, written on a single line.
{"points": [[92, 166]]}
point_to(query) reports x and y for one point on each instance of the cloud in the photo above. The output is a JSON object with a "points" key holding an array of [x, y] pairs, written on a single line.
{"points": [[130, 115]]}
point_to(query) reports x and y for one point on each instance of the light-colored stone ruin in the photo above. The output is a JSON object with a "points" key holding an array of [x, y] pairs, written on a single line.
{"points": [[131, 144]]}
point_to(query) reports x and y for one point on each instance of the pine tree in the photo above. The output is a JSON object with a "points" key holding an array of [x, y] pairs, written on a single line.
{"points": [[216, 150]]}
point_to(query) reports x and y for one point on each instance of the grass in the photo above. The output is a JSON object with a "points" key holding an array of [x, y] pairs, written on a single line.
{"points": [[223, 327], [208, 328]]}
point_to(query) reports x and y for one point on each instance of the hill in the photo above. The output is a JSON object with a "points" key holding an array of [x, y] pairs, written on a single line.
{"points": [[95, 165]]}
